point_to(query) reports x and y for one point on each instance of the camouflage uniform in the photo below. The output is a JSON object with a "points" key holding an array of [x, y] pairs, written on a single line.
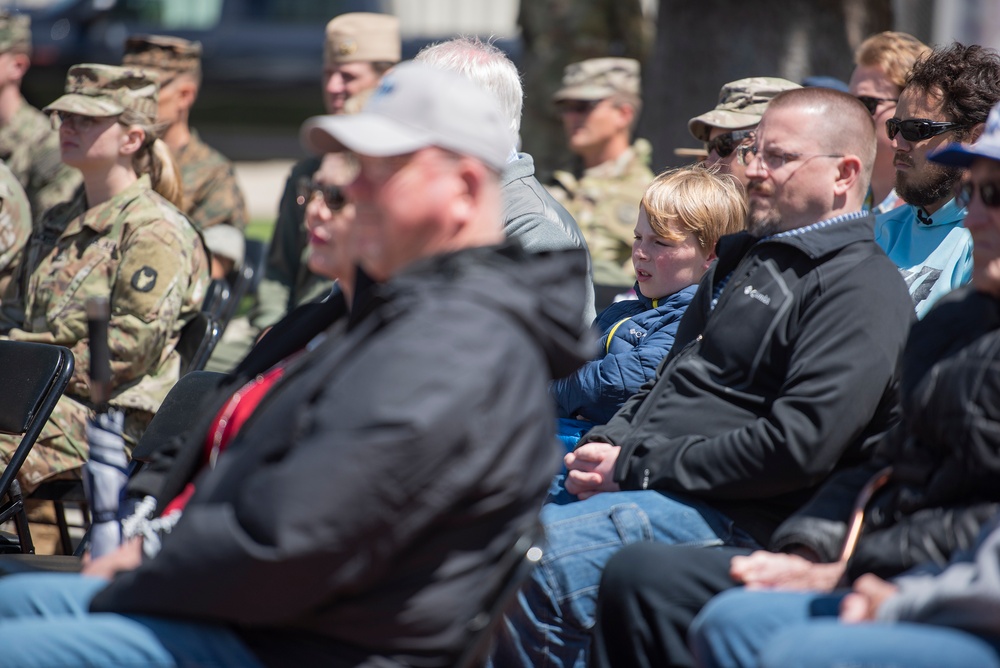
{"points": [[28, 145], [137, 250], [211, 195], [559, 32], [604, 200], [15, 225]]}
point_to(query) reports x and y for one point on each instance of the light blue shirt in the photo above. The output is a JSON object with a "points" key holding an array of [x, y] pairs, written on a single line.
{"points": [[933, 253]]}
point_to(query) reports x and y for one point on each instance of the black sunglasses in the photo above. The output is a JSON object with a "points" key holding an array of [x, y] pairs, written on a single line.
{"points": [[918, 129], [726, 143], [576, 106], [333, 196], [989, 194], [871, 103]]}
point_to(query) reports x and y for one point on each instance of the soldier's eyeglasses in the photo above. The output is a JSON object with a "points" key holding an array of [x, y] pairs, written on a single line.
{"points": [[76, 122], [918, 129], [576, 106], [989, 194], [333, 196], [871, 103], [726, 143]]}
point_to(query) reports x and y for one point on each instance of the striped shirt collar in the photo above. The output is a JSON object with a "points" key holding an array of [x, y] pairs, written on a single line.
{"points": [[843, 218]]}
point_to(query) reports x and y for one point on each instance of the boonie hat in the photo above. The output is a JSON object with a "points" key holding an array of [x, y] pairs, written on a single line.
{"points": [[598, 78], [15, 32], [170, 54], [958, 154], [741, 104], [107, 90], [362, 36], [416, 106]]}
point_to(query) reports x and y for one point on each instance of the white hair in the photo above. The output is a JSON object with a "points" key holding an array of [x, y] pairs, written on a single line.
{"points": [[485, 64]]}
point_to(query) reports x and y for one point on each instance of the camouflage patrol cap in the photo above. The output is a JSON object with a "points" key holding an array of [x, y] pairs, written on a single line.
{"points": [[362, 37], [741, 105], [598, 78], [170, 54], [15, 32], [106, 90]]}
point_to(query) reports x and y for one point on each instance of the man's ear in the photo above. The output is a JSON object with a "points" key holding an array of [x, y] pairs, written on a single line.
{"points": [[627, 112], [20, 62], [848, 174], [187, 93], [974, 133]]}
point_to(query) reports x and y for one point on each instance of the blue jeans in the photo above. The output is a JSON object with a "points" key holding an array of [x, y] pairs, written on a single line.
{"points": [[771, 629], [46, 622], [551, 623]]}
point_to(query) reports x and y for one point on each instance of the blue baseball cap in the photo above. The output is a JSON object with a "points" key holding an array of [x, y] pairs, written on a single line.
{"points": [[958, 154]]}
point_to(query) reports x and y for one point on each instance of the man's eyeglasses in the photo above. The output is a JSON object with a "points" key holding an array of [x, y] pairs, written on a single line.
{"points": [[918, 129], [576, 106], [774, 160], [871, 103], [989, 194], [333, 196], [726, 143]]}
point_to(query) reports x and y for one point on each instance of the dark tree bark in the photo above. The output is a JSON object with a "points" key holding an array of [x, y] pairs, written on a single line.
{"points": [[703, 44]]}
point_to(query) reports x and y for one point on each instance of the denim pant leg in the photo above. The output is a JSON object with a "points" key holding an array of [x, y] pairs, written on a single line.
{"points": [[46, 622], [552, 621], [826, 643], [738, 624]]}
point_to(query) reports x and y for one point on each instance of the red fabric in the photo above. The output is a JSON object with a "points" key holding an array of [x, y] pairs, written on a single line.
{"points": [[239, 407]]}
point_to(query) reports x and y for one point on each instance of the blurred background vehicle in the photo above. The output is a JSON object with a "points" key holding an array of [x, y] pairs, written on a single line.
{"points": [[261, 59]]}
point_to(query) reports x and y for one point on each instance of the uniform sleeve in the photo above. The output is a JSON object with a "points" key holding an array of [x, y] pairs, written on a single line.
{"points": [[147, 296], [220, 201]]}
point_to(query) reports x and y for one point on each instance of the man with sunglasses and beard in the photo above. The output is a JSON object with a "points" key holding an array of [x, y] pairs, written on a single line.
{"points": [[783, 372], [947, 98], [731, 123]]}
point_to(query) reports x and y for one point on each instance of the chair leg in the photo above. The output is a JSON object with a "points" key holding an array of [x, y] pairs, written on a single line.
{"points": [[21, 518], [65, 540]]}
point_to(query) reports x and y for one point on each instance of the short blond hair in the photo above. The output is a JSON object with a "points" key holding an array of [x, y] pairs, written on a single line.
{"points": [[696, 199], [892, 52]]}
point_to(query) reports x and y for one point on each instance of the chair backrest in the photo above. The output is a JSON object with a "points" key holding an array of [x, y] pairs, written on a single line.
{"points": [[245, 279], [197, 341], [217, 296], [33, 377], [182, 403], [517, 564]]}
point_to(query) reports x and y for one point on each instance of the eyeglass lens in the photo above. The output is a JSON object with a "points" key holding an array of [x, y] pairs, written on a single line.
{"points": [[989, 194]]}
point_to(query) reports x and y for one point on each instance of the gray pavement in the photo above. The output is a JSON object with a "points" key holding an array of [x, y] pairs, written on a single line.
{"points": [[262, 183]]}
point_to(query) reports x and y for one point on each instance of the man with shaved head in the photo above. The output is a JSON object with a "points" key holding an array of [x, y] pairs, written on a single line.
{"points": [[782, 372]]}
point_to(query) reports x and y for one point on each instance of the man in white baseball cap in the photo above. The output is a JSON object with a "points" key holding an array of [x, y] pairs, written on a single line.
{"points": [[365, 517]]}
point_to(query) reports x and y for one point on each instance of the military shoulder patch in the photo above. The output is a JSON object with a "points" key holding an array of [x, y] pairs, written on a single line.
{"points": [[144, 280]]}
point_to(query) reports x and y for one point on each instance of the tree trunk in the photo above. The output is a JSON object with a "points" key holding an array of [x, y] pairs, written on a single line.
{"points": [[704, 44]]}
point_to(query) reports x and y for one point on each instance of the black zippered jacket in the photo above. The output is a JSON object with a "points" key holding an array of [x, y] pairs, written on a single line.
{"points": [[359, 515], [791, 376], [945, 452]]}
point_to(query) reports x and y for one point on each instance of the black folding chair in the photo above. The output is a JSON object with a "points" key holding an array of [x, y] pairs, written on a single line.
{"points": [[517, 564], [197, 341], [245, 279], [217, 297], [179, 407], [33, 377]]}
